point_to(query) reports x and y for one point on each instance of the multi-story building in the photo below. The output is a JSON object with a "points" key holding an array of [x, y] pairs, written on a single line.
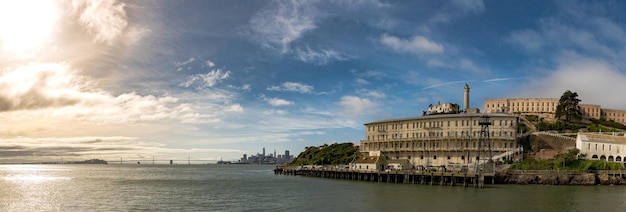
{"points": [[546, 108], [439, 140]]}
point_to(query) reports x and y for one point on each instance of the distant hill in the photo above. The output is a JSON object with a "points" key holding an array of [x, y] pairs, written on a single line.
{"points": [[334, 154]]}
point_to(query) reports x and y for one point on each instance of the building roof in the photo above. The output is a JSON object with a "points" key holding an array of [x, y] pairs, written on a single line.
{"points": [[365, 158], [442, 116], [603, 138]]}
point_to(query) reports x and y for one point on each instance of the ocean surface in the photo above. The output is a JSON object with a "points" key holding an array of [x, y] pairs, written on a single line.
{"points": [[256, 188]]}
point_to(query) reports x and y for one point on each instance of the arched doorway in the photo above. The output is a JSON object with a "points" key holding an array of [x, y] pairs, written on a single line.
{"points": [[610, 158], [603, 158], [595, 157], [618, 159]]}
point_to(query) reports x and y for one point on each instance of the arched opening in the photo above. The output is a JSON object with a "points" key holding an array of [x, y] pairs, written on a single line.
{"points": [[594, 157], [618, 158], [610, 158], [603, 158]]}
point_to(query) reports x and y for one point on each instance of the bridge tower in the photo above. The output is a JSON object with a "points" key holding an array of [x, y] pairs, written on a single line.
{"points": [[484, 162]]}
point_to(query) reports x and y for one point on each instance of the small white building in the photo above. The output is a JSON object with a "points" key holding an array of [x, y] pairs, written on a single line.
{"points": [[368, 161], [604, 147]]}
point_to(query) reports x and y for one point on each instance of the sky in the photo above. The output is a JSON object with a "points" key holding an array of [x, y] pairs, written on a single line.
{"points": [[208, 80]]}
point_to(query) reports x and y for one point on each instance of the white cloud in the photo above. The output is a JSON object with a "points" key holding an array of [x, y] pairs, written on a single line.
{"points": [[361, 81], [319, 57], [528, 39], [457, 9], [595, 81], [293, 87], [105, 19], [279, 102], [190, 60], [234, 108], [416, 45], [356, 107], [284, 22], [371, 93], [209, 63], [275, 112], [40, 86], [209, 79], [55, 91], [471, 66], [475, 6], [370, 74]]}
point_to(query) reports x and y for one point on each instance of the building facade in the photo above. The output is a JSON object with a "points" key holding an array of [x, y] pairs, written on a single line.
{"points": [[439, 140], [546, 108], [604, 147]]}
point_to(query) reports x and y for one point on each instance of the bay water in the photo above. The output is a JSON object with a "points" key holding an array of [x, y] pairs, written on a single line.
{"points": [[255, 188]]}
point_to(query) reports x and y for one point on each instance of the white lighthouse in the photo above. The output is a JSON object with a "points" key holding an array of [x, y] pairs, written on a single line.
{"points": [[466, 104]]}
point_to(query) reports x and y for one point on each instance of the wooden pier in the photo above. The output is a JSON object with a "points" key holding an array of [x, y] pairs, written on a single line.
{"points": [[397, 176]]}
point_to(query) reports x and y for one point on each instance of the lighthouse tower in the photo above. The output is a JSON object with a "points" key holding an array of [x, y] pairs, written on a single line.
{"points": [[466, 104]]}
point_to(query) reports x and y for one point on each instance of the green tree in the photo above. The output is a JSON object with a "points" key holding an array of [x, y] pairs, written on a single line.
{"points": [[568, 108]]}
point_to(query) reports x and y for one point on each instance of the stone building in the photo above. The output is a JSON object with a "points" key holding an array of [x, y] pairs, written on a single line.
{"points": [[546, 108], [604, 147], [439, 140]]}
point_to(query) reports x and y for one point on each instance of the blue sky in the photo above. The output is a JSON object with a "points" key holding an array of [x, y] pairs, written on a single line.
{"points": [[217, 79]]}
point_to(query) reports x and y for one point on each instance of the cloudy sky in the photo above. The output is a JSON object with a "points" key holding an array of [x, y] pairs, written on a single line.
{"points": [[217, 79]]}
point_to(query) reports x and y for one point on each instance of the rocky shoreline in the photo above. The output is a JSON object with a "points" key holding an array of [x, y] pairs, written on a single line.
{"points": [[562, 178]]}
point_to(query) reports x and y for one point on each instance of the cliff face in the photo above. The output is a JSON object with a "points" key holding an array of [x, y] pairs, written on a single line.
{"points": [[561, 178]]}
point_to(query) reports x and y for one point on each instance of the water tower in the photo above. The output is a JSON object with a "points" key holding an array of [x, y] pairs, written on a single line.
{"points": [[484, 162]]}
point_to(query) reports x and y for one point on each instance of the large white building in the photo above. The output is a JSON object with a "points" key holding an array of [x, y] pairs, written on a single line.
{"points": [[604, 147], [439, 140]]}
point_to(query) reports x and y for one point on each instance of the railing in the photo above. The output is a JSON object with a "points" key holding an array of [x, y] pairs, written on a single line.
{"points": [[554, 135], [511, 152]]}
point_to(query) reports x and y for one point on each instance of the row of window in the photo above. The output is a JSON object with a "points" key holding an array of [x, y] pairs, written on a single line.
{"points": [[514, 104], [432, 124], [610, 148], [418, 135], [437, 145]]}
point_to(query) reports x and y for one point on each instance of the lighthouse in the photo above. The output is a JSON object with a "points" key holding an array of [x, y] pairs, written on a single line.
{"points": [[466, 104]]}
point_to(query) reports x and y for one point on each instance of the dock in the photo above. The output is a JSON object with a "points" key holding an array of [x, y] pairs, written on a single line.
{"points": [[395, 176]]}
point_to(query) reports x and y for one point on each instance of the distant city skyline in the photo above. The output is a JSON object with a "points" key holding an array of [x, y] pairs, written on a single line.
{"points": [[218, 79]]}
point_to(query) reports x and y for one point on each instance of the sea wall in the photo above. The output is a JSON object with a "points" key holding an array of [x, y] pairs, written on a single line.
{"points": [[554, 177]]}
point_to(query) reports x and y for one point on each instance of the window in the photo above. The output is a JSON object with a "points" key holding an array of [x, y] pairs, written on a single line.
{"points": [[435, 157]]}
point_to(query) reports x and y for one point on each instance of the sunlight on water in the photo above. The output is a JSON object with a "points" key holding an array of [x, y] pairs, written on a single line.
{"points": [[31, 173], [33, 187]]}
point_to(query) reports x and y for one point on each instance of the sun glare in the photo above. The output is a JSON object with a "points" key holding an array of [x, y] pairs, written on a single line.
{"points": [[25, 25]]}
